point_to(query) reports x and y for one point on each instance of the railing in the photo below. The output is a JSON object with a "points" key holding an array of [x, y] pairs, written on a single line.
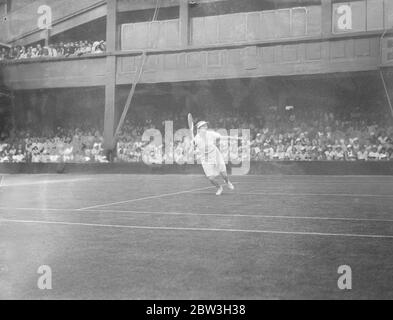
{"points": [[387, 51], [225, 29], [322, 56], [347, 17], [154, 35], [253, 26]]}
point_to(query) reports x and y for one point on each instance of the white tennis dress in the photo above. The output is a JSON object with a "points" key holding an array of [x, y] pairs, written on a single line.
{"points": [[212, 159]]}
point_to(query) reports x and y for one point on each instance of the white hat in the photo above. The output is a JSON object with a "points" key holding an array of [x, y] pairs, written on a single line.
{"points": [[201, 124]]}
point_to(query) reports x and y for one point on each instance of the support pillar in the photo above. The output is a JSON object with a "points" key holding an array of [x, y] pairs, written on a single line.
{"points": [[13, 115], [327, 18], [110, 86], [184, 15], [282, 98]]}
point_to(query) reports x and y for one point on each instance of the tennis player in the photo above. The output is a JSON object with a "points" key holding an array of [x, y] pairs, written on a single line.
{"points": [[211, 158]]}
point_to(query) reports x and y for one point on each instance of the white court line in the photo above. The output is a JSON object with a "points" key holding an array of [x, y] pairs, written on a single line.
{"points": [[202, 214], [44, 182], [241, 215], [311, 183], [308, 194], [349, 235], [318, 175], [145, 198]]}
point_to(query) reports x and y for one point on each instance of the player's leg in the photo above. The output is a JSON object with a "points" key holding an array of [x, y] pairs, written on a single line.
{"points": [[215, 183], [211, 174], [224, 175], [223, 170]]}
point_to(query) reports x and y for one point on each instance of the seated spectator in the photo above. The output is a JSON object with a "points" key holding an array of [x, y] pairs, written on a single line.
{"points": [[77, 48], [52, 52], [23, 53], [29, 53], [3, 54], [39, 51]]}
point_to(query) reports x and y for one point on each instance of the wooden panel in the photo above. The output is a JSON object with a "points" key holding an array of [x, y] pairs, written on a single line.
{"points": [[388, 14], [283, 23], [359, 16], [269, 30], [375, 47], [127, 65], [155, 34], [214, 59], [251, 56], [254, 26], [235, 57], [80, 72], [152, 63], [374, 14], [198, 31], [387, 53], [132, 36], [314, 23], [211, 30], [231, 28], [170, 61], [289, 53], [362, 47], [313, 51], [299, 22], [172, 33], [349, 48], [337, 49], [159, 34], [194, 60], [254, 29], [267, 54]]}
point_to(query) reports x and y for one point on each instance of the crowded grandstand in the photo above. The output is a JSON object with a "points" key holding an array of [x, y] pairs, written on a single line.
{"points": [[68, 49], [288, 135]]}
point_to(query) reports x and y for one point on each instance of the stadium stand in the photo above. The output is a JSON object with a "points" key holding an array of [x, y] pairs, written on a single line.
{"points": [[68, 49], [285, 136]]}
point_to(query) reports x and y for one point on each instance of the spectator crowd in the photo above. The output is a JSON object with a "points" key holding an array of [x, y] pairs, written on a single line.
{"points": [[67, 49], [63, 146], [293, 135]]}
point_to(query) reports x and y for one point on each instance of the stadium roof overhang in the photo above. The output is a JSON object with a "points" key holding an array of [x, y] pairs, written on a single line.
{"points": [[4, 92], [4, 45]]}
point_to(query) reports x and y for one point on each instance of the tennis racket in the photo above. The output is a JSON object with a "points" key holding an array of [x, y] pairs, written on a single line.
{"points": [[191, 125]]}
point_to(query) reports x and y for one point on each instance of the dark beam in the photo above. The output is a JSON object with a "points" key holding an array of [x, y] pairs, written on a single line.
{"points": [[110, 86], [327, 15], [127, 5], [184, 23], [135, 5]]}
